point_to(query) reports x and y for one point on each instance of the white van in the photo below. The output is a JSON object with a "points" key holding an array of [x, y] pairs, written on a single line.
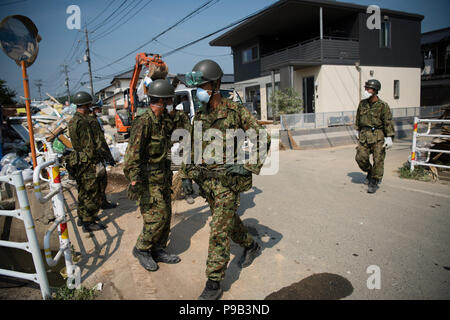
{"points": [[188, 97]]}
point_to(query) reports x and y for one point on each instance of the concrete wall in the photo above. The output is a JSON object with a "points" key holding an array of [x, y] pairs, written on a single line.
{"points": [[338, 86], [340, 136]]}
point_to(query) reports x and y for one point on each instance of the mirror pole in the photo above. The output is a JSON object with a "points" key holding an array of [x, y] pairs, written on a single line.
{"points": [[28, 107]]}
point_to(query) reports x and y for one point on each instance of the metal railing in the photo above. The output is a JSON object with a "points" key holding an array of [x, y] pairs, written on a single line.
{"points": [[415, 149], [347, 118], [32, 246], [60, 224], [314, 50]]}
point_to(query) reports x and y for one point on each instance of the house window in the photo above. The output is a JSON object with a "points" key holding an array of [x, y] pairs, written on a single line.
{"points": [[250, 54], [385, 34], [396, 89]]}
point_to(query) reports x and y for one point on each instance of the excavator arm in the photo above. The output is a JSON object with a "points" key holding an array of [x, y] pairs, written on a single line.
{"points": [[157, 70]]}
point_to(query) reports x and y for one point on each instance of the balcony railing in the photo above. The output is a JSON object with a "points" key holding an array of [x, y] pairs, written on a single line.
{"points": [[314, 51]]}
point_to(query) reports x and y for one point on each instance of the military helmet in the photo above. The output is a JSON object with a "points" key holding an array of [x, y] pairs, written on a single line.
{"points": [[82, 98], [204, 71], [374, 84], [161, 89]]}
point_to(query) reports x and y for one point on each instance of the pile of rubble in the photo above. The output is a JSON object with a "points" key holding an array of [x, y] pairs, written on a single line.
{"points": [[50, 121], [442, 143]]}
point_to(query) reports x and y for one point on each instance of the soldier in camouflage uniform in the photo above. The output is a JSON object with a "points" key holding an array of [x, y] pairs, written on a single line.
{"points": [[221, 184], [376, 132], [148, 170], [88, 163], [108, 159], [181, 121]]}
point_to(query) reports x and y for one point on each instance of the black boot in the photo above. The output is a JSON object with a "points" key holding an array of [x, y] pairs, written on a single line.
{"points": [[250, 254], [373, 186], [108, 205], [213, 291], [80, 222], [145, 259], [160, 255], [92, 226]]}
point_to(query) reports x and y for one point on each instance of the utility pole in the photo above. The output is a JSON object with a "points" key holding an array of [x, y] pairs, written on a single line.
{"points": [[38, 83], [88, 57], [67, 80]]}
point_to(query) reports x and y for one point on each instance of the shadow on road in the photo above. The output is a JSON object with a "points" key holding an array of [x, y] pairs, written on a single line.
{"points": [[322, 286], [92, 259], [357, 177], [265, 236], [181, 234], [195, 219]]}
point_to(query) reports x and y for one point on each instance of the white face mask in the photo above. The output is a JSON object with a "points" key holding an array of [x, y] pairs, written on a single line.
{"points": [[169, 107], [367, 95]]}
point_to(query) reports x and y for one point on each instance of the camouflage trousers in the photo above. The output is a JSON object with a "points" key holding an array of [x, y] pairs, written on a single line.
{"points": [[225, 226], [89, 194], [363, 152], [156, 209], [103, 182]]}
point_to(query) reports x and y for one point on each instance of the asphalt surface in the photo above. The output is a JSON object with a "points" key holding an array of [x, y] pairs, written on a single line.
{"points": [[321, 232], [323, 224]]}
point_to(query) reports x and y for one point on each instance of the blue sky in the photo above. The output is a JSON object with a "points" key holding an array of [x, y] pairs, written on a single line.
{"points": [[58, 42]]}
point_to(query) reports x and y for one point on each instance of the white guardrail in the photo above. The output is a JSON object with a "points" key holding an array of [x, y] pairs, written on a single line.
{"points": [[57, 198], [32, 246], [347, 118], [415, 149]]}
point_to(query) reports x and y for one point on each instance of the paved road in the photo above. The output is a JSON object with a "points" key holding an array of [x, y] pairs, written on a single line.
{"points": [[326, 222], [320, 232]]}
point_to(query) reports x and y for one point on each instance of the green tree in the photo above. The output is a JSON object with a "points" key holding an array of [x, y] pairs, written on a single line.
{"points": [[287, 101], [6, 95]]}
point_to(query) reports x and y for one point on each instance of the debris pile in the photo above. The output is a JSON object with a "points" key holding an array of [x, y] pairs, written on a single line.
{"points": [[442, 144], [50, 121]]}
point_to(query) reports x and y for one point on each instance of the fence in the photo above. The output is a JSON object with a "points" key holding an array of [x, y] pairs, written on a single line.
{"points": [[416, 150], [347, 118], [32, 246]]}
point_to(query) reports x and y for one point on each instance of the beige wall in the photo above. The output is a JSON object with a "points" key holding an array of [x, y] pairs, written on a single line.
{"points": [[262, 82], [337, 86]]}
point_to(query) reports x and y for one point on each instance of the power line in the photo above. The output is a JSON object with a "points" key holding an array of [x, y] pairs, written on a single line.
{"points": [[67, 80], [194, 54], [119, 18], [187, 17], [38, 83], [106, 8], [215, 32], [104, 34], [101, 23], [88, 57], [12, 2]]}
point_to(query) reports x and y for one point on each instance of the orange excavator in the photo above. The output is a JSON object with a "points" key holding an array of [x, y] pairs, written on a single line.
{"points": [[157, 69]]}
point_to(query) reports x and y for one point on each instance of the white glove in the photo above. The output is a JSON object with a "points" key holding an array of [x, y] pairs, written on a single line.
{"points": [[388, 143]]}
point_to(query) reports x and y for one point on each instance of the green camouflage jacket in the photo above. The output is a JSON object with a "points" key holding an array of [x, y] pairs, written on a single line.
{"points": [[148, 148], [83, 139], [377, 116], [100, 141], [228, 115], [181, 120]]}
